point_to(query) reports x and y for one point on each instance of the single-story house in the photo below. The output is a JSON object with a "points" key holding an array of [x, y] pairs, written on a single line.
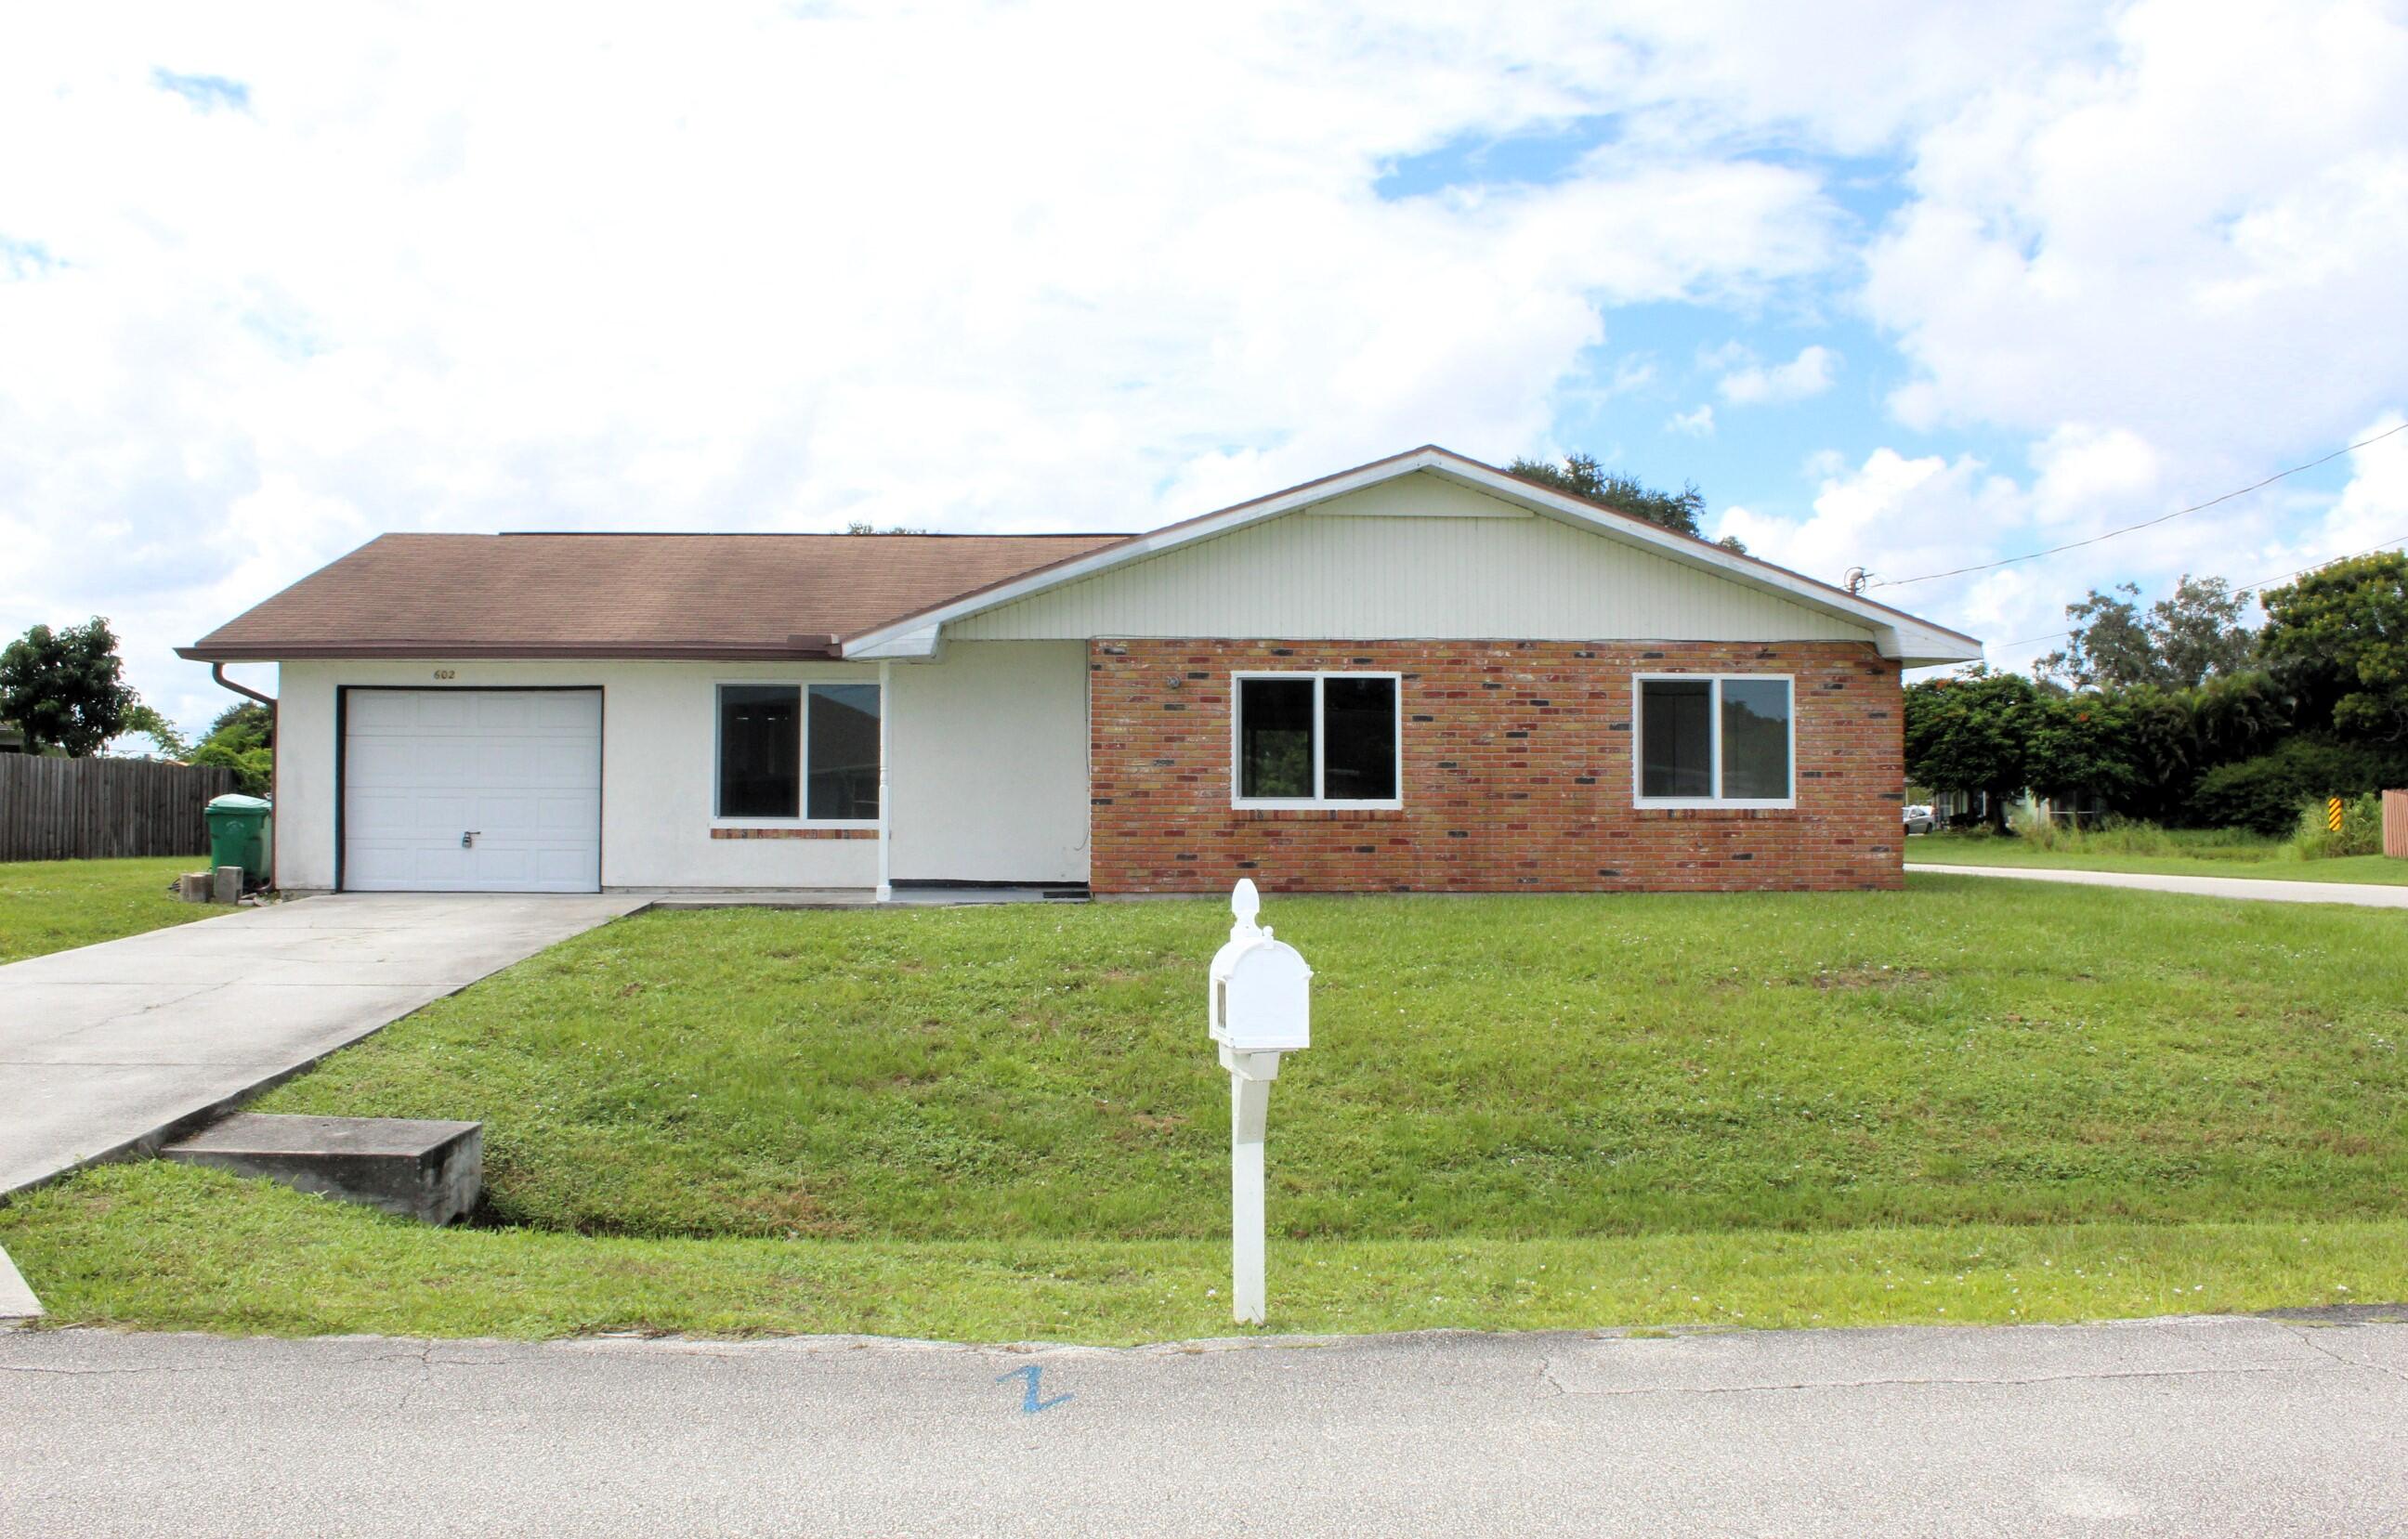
{"points": [[1420, 674]]}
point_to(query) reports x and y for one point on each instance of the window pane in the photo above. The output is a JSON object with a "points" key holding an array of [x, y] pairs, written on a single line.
{"points": [[1358, 763], [759, 744], [1755, 738], [844, 752], [1676, 750], [1275, 737]]}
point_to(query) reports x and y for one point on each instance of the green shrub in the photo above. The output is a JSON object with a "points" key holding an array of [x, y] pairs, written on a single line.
{"points": [[2114, 835], [2360, 831], [2263, 795]]}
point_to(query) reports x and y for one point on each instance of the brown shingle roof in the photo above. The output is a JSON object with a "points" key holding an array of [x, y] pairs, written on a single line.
{"points": [[621, 595]]}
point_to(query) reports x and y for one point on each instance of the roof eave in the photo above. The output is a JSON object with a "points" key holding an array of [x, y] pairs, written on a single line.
{"points": [[818, 649]]}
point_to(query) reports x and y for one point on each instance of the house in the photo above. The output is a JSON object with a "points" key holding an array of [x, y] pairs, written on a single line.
{"points": [[1420, 674]]}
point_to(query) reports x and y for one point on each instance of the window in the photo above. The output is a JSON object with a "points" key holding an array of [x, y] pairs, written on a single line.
{"points": [[1715, 742], [1316, 739], [792, 751]]}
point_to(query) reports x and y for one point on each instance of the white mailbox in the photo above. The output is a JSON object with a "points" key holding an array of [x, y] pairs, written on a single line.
{"points": [[1261, 989], [1260, 1007]]}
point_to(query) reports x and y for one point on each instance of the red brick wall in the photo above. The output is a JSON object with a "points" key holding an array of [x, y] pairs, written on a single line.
{"points": [[1516, 774]]}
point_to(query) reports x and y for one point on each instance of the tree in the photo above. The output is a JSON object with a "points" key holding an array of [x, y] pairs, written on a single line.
{"points": [[143, 720], [65, 688], [2338, 637], [2181, 642], [244, 716], [2080, 743], [2198, 634], [2108, 648], [1973, 733], [240, 739], [1582, 476]]}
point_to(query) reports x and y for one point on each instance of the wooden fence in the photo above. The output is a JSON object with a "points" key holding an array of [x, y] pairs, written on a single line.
{"points": [[2395, 824], [90, 809]]}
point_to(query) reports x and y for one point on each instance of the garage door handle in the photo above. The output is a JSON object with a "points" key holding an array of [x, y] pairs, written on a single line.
{"points": [[469, 837]]}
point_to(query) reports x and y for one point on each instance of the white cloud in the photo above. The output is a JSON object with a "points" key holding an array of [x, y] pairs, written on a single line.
{"points": [[1060, 264], [2199, 243], [1897, 516], [2371, 513], [1697, 424], [1808, 374], [1064, 263]]}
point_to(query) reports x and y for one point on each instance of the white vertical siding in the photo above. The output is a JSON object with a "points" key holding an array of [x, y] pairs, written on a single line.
{"points": [[1419, 558]]}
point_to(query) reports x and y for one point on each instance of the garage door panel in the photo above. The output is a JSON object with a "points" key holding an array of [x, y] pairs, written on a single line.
{"points": [[518, 771], [560, 713], [567, 812], [439, 709], [501, 816]]}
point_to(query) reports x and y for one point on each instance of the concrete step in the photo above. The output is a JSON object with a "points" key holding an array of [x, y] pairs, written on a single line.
{"points": [[430, 1171], [18, 1305]]}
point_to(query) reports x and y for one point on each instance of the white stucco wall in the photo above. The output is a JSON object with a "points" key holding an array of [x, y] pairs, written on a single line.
{"points": [[988, 779], [990, 764]]}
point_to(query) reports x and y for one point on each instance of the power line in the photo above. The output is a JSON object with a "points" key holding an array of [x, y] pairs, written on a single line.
{"points": [[2250, 587], [2145, 523]]}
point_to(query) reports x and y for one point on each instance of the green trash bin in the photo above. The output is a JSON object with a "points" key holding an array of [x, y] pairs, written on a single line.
{"points": [[238, 835]]}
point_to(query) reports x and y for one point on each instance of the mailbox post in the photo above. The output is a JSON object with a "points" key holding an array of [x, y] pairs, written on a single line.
{"points": [[1260, 1007]]}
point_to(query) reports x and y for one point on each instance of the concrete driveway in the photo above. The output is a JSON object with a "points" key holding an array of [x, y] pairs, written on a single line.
{"points": [[115, 1046], [2178, 1427]]}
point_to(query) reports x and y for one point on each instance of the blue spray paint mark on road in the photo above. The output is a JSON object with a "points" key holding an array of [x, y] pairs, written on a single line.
{"points": [[1029, 1403]]}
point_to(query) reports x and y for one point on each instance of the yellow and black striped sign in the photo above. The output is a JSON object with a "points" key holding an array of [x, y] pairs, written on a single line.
{"points": [[2333, 813]]}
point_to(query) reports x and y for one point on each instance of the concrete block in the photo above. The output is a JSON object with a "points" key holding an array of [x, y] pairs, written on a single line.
{"points": [[16, 1301], [194, 886], [430, 1171], [226, 884]]}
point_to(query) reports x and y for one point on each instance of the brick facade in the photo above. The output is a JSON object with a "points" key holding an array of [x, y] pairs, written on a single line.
{"points": [[1516, 774]]}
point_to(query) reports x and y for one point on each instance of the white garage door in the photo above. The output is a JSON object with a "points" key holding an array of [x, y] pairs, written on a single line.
{"points": [[472, 791]]}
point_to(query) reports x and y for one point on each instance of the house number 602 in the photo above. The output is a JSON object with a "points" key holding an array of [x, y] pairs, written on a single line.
{"points": [[447, 672]]}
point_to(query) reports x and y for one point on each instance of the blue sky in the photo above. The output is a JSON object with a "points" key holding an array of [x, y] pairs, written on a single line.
{"points": [[1898, 285]]}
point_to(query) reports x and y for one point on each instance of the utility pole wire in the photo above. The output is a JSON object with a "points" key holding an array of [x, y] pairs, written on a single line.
{"points": [[2146, 523], [2247, 588]]}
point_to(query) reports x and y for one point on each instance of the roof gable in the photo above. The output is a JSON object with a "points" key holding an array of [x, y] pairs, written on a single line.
{"points": [[1472, 489], [1418, 558]]}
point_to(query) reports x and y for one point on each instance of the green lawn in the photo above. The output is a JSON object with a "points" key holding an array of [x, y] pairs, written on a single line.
{"points": [[2272, 862], [1962, 1102], [52, 905]]}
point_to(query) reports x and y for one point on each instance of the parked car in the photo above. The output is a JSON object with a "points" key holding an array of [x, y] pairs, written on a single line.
{"points": [[1919, 819]]}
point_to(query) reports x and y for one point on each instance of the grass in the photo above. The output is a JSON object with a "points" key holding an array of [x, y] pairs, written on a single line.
{"points": [[53, 906], [2229, 856], [156, 1246], [1005, 1122]]}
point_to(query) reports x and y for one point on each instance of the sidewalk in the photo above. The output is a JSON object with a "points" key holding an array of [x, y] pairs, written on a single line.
{"points": [[2363, 895]]}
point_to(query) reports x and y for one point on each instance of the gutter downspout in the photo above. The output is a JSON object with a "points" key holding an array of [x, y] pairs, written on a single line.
{"points": [[885, 804], [217, 672]]}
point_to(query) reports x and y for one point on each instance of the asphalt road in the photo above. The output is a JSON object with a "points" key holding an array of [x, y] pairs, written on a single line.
{"points": [[2195, 1428]]}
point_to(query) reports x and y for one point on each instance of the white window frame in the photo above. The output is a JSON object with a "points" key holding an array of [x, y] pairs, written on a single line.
{"points": [[1320, 740], [1639, 683], [803, 748]]}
